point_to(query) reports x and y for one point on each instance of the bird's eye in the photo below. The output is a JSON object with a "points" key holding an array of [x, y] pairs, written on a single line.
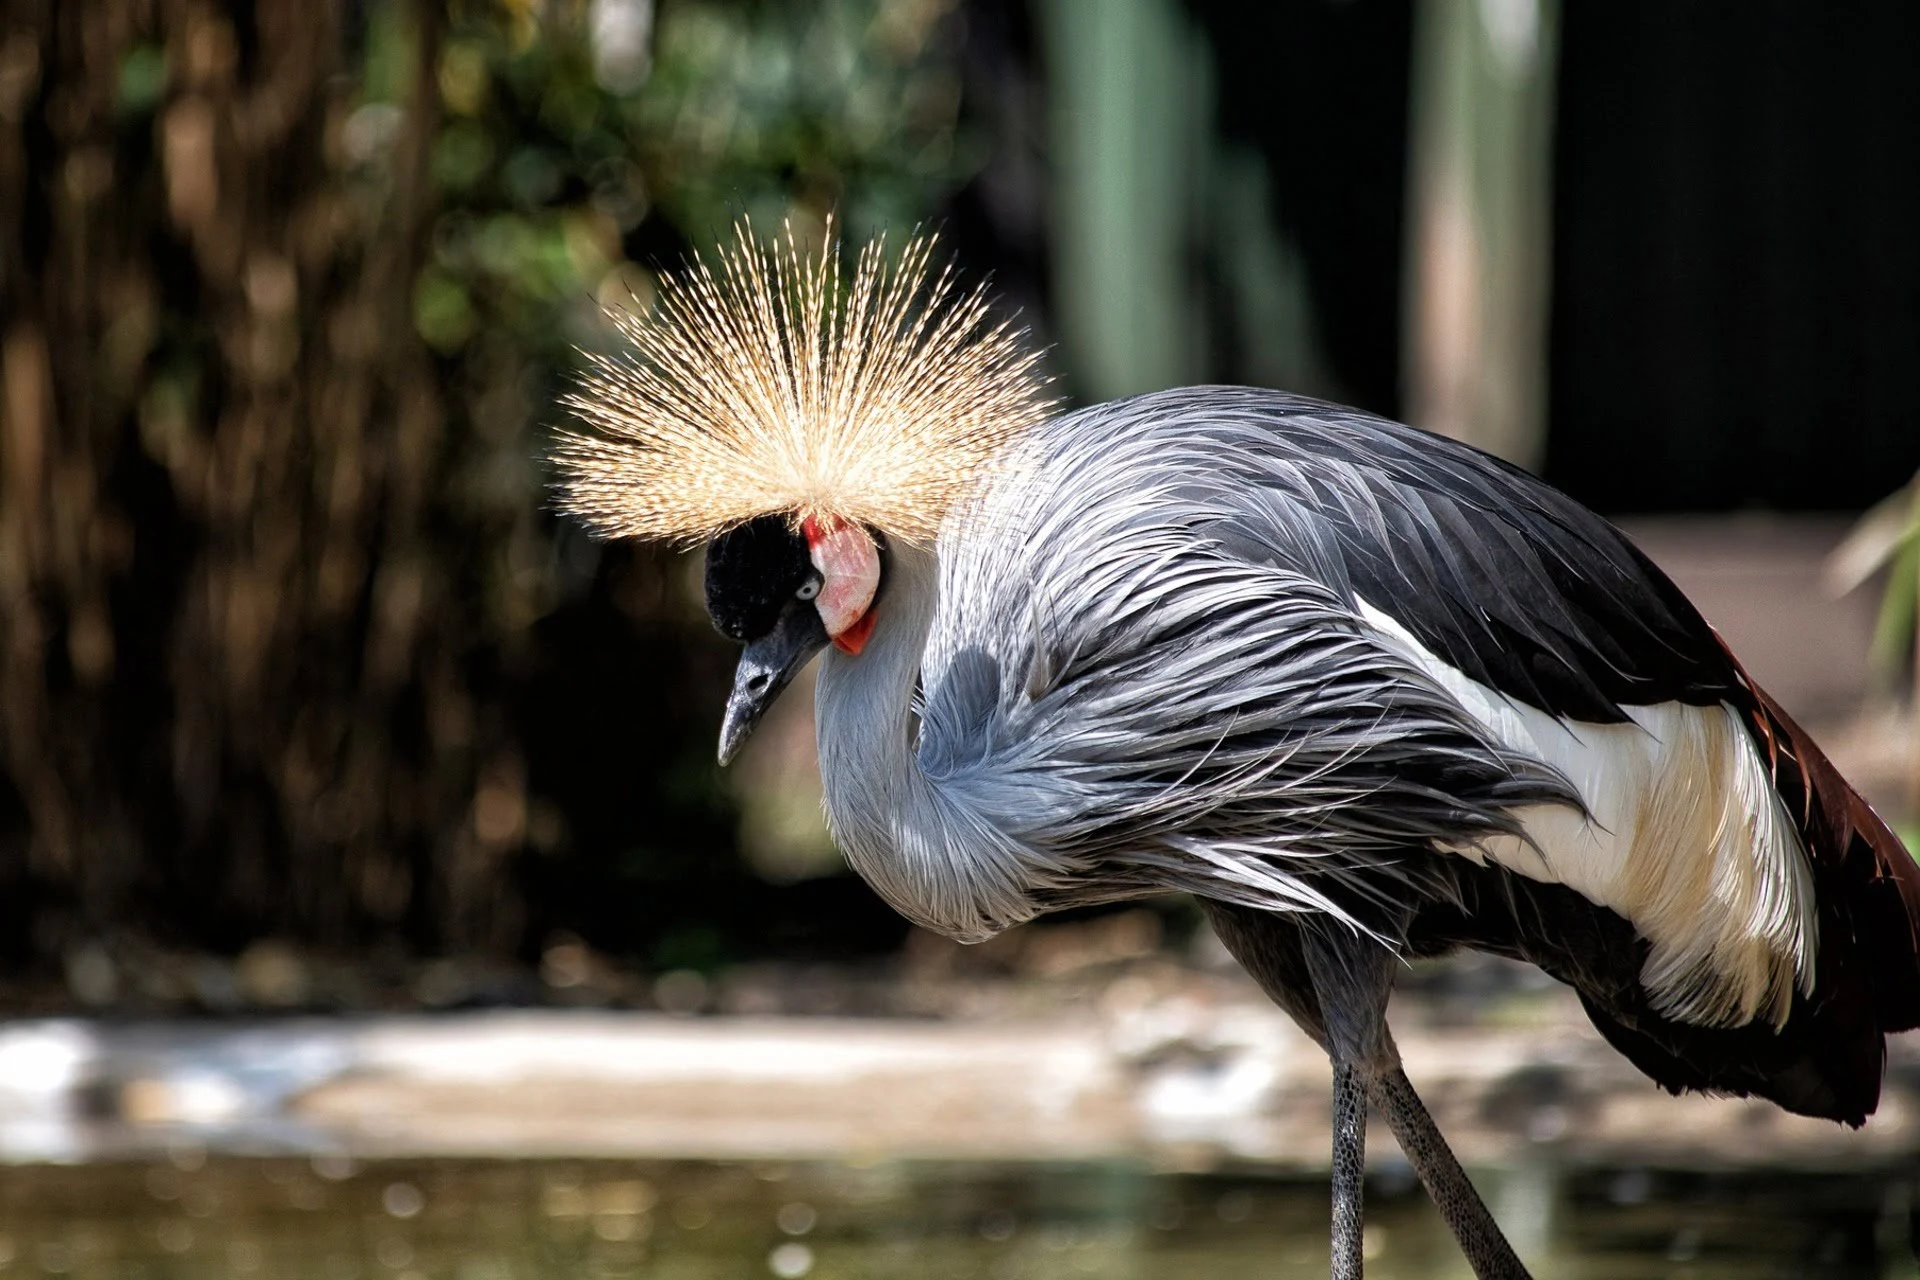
{"points": [[809, 589]]}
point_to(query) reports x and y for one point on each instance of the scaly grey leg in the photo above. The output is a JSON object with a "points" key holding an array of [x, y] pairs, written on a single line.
{"points": [[1334, 981], [1349, 1169], [1480, 1237]]}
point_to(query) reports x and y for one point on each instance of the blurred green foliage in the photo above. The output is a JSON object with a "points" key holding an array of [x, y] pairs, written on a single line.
{"points": [[1896, 635], [581, 137], [302, 288], [1887, 540]]}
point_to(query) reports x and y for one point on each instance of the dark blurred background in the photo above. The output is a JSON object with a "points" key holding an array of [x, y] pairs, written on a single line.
{"points": [[297, 667]]}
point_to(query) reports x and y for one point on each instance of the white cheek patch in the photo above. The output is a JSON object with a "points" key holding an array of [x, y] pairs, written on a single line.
{"points": [[849, 566]]}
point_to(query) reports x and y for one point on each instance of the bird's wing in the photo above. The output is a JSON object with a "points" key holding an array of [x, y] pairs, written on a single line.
{"points": [[1139, 625], [1507, 580], [1221, 611], [1527, 592]]}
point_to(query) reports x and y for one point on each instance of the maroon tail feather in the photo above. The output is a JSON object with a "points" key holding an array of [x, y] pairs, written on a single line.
{"points": [[1829, 1058], [1860, 866]]}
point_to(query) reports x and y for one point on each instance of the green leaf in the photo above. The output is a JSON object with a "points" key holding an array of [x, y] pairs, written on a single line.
{"points": [[461, 156], [1893, 629], [143, 79], [442, 312]]}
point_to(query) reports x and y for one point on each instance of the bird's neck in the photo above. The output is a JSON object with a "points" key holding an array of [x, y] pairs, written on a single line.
{"points": [[899, 828], [864, 707]]}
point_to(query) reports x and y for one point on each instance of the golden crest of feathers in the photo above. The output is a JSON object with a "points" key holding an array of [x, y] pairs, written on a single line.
{"points": [[763, 384]]}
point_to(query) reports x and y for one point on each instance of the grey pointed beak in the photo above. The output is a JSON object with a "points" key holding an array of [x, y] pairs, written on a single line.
{"points": [[767, 666]]}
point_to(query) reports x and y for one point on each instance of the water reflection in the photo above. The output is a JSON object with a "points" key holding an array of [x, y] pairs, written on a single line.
{"points": [[330, 1218]]}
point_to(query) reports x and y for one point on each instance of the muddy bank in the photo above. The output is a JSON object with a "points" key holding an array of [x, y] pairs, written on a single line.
{"points": [[1196, 1077]]}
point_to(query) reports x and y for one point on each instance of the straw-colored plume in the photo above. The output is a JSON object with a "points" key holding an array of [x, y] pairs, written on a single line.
{"points": [[762, 383]]}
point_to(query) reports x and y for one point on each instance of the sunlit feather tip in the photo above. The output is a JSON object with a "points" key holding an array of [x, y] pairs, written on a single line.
{"points": [[761, 383]]}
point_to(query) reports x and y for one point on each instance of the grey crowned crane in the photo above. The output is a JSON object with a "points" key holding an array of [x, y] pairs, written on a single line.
{"points": [[1366, 693]]}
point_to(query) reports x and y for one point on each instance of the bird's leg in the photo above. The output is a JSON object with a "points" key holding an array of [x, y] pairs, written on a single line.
{"points": [[1349, 1170], [1334, 982], [1352, 975], [1480, 1237]]}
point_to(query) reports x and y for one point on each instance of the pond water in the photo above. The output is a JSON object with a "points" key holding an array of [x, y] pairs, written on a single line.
{"points": [[330, 1218]]}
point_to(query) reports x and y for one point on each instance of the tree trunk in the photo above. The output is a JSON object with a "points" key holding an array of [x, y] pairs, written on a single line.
{"points": [[1479, 218], [239, 641]]}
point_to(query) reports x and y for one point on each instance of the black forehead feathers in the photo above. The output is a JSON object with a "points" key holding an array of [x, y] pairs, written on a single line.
{"points": [[752, 572]]}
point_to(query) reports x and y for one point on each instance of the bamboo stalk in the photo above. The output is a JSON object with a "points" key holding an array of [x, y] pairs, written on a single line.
{"points": [[1480, 221]]}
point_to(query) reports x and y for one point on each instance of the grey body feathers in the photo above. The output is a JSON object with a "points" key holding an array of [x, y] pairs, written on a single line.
{"points": [[1137, 664]]}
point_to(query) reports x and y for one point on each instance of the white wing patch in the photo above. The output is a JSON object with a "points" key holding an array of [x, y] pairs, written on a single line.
{"points": [[1686, 839]]}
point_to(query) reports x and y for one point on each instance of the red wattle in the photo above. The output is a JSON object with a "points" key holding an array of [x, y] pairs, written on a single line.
{"points": [[854, 638]]}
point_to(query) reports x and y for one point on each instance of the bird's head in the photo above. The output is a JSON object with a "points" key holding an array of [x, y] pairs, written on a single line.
{"points": [[798, 417], [787, 593]]}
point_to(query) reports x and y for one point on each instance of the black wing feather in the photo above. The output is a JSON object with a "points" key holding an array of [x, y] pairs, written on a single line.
{"points": [[1502, 576]]}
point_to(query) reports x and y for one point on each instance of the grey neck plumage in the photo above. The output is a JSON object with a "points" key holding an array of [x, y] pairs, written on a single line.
{"points": [[907, 834]]}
